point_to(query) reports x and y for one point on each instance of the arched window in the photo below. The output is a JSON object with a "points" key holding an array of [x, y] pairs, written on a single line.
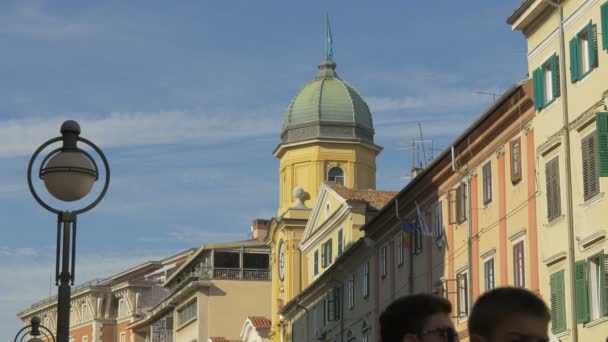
{"points": [[335, 174]]}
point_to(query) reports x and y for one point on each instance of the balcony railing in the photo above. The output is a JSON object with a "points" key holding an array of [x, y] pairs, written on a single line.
{"points": [[209, 273], [90, 283]]}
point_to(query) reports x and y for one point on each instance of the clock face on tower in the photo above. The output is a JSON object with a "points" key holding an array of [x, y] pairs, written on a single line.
{"points": [[281, 260]]}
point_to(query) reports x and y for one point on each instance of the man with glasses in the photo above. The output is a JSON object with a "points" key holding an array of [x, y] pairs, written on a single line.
{"points": [[509, 314], [418, 318]]}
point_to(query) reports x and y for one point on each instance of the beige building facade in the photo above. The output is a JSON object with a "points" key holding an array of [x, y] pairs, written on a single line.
{"points": [[102, 309], [212, 293], [571, 151]]}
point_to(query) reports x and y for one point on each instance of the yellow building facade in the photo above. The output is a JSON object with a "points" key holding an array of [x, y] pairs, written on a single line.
{"points": [[571, 94]]}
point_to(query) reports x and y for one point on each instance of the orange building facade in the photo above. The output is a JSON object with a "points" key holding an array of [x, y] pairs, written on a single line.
{"points": [[478, 199]]}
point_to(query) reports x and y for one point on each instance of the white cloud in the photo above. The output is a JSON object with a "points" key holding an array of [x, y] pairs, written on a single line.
{"points": [[438, 100], [6, 251], [19, 137], [31, 18]]}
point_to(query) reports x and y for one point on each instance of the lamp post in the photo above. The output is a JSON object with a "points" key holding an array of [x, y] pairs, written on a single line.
{"points": [[69, 174], [34, 330]]}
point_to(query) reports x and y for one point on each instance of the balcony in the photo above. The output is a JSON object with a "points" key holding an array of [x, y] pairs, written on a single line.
{"points": [[222, 273]]}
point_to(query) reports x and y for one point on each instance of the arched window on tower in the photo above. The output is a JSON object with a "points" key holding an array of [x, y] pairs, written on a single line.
{"points": [[335, 174]]}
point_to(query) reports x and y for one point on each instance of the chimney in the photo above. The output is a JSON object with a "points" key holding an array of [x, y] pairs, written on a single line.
{"points": [[259, 229]]}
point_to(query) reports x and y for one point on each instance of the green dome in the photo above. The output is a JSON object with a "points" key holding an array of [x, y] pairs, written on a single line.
{"points": [[327, 107]]}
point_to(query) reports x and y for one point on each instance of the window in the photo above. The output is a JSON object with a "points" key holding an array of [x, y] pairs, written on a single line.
{"points": [[554, 206], [122, 308], [417, 240], [583, 53], [366, 279], [383, 261], [340, 242], [438, 222], [123, 337], [333, 304], [457, 204], [596, 273], [463, 294], [187, 313], [488, 267], [326, 256], [519, 278], [85, 338], [591, 295], [86, 315], [546, 83], [487, 183], [601, 122], [316, 265], [558, 302], [591, 181], [73, 317], [516, 161], [335, 174], [351, 291], [399, 248]]}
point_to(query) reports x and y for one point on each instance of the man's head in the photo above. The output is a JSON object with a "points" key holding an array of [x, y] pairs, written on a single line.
{"points": [[417, 318], [509, 314]]}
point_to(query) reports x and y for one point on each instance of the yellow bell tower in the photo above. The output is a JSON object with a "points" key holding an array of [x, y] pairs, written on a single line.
{"points": [[327, 135]]}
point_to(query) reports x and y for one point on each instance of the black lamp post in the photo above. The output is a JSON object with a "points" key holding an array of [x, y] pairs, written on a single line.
{"points": [[68, 173], [34, 331]]}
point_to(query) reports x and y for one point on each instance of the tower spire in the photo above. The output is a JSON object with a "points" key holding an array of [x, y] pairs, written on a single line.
{"points": [[328, 40]]}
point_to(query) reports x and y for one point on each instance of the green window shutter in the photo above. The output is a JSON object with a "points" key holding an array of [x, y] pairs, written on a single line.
{"points": [[601, 122], [324, 255], [590, 178], [574, 60], [604, 284], [592, 37], [604, 10], [582, 297], [329, 253], [555, 75], [554, 206], [558, 303], [537, 84]]}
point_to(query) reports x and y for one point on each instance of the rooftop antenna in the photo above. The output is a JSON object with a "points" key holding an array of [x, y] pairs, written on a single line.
{"points": [[487, 93], [422, 141]]}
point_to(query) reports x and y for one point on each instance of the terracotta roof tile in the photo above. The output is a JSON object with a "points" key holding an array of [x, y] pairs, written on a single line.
{"points": [[376, 199], [260, 322]]}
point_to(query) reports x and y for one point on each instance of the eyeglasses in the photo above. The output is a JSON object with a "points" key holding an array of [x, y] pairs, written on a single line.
{"points": [[448, 334]]}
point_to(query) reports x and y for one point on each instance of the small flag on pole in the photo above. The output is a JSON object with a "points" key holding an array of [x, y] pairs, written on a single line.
{"points": [[328, 40], [424, 228], [407, 228]]}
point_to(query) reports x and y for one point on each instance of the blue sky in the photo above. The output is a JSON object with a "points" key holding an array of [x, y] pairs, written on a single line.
{"points": [[186, 99]]}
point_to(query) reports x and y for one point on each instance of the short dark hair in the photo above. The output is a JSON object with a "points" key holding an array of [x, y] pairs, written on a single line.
{"points": [[408, 315], [496, 305]]}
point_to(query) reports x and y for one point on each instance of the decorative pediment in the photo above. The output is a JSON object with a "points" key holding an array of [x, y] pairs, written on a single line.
{"points": [[328, 208]]}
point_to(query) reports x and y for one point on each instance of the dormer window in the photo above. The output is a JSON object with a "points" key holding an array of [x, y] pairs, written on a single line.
{"points": [[335, 174]]}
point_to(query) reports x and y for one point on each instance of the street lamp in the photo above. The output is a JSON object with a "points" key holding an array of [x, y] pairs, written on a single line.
{"points": [[69, 174], [34, 330]]}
